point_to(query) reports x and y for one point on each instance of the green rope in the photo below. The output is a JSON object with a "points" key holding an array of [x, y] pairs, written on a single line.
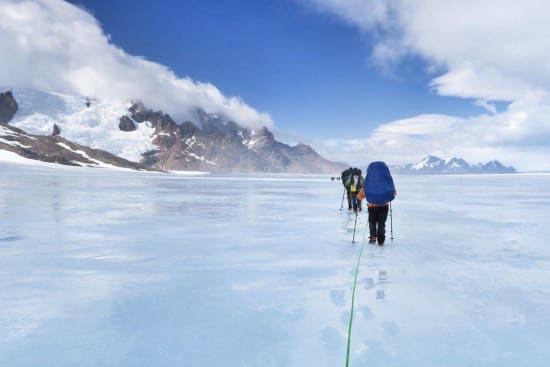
{"points": [[353, 300]]}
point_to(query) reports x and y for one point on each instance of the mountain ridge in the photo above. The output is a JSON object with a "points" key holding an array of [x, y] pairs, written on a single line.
{"points": [[56, 149], [134, 132], [435, 165]]}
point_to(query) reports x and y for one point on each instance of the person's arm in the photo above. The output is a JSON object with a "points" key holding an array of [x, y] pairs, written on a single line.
{"points": [[361, 194]]}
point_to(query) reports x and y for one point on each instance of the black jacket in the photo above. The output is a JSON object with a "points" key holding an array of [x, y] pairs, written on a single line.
{"points": [[345, 175]]}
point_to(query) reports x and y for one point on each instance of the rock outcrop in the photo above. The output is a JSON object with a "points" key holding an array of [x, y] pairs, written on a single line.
{"points": [[56, 130], [126, 124], [8, 107]]}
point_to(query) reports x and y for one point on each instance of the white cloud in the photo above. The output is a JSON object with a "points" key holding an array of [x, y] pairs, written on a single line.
{"points": [[53, 45], [487, 51], [506, 136]]}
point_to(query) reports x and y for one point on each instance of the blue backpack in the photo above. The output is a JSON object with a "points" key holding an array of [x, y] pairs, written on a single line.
{"points": [[378, 185]]}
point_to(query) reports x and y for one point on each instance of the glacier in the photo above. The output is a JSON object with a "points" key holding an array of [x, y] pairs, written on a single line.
{"points": [[109, 268], [95, 126]]}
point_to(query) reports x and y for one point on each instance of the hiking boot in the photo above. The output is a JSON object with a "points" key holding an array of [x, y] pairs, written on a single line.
{"points": [[380, 243], [372, 240]]}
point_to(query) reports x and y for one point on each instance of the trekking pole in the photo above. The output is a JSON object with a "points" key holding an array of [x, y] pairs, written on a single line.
{"points": [[342, 205], [391, 223], [354, 226]]}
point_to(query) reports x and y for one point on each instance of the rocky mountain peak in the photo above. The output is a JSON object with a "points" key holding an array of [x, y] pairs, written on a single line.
{"points": [[428, 161], [260, 137], [217, 144], [158, 119], [304, 148], [494, 166], [262, 131], [218, 125]]}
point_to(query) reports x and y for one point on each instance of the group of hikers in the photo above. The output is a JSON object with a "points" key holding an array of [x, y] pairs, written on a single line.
{"points": [[378, 189]]}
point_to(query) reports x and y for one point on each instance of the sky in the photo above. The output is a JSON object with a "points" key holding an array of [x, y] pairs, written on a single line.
{"points": [[360, 80]]}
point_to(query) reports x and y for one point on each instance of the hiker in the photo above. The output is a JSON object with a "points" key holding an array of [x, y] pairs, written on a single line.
{"points": [[345, 174], [379, 190], [354, 183]]}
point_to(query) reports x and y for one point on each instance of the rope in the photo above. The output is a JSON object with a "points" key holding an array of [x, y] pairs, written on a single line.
{"points": [[353, 299]]}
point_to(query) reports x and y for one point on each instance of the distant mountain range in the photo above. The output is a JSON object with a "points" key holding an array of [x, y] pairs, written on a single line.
{"points": [[150, 138], [436, 165]]}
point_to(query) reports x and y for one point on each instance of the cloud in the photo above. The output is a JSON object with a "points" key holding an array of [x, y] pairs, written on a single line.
{"points": [[505, 136], [493, 50], [53, 45], [485, 51]]}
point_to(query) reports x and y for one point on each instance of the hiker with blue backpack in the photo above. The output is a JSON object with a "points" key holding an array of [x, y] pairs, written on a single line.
{"points": [[379, 190]]}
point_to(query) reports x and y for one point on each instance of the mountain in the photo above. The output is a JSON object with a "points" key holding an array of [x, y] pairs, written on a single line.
{"points": [[493, 167], [217, 144], [55, 149], [435, 165], [134, 132]]}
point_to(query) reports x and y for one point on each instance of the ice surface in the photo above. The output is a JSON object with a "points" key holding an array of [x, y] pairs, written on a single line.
{"points": [[103, 268]]}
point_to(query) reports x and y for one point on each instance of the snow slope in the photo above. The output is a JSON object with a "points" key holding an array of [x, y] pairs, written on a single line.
{"points": [[108, 269], [95, 126]]}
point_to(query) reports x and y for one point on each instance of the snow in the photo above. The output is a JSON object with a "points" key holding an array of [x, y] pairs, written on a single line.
{"points": [[103, 268], [190, 173], [10, 157], [85, 155], [250, 143], [190, 141], [5, 132], [428, 161], [95, 126], [13, 143], [201, 158], [7, 157]]}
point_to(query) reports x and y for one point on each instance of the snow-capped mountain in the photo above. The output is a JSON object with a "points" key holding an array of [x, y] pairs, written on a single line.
{"points": [[82, 120], [17, 146], [435, 165], [219, 145], [493, 167], [134, 132], [428, 163]]}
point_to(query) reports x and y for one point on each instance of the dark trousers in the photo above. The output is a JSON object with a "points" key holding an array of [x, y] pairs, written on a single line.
{"points": [[348, 193], [377, 222], [356, 203]]}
